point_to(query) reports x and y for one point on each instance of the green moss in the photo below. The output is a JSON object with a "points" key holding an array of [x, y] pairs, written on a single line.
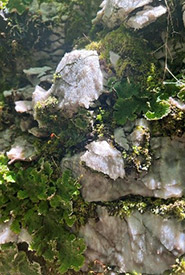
{"points": [[167, 208], [135, 58], [172, 125]]}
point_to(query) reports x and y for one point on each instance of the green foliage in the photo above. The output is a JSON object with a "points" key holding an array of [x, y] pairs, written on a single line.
{"points": [[16, 262], [43, 204], [18, 6], [151, 100], [130, 101]]}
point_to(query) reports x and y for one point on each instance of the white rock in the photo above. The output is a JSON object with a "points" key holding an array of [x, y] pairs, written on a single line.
{"points": [[145, 243], [166, 175], [7, 235], [23, 106], [21, 150], [120, 138], [116, 11], [104, 158], [80, 82], [146, 17], [114, 57], [39, 95]]}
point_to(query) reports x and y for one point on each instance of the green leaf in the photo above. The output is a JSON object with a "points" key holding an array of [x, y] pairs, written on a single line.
{"points": [[48, 169], [15, 226], [18, 6], [181, 94], [126, 90], [55, 201], [70, 220], [22, 194], [64, 267], [158, 110], [78, 262], [9, 177], [124, 109]]}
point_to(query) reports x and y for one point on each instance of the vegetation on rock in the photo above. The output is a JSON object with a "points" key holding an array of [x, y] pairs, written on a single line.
{"points": [[42, 204]]}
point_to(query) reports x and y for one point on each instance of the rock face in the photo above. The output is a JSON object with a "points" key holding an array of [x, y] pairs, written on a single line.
{"points": [[146, 16], [103, 158], [144, 243], [21, 150], [79, 81], [115, 12], [165, 178]]}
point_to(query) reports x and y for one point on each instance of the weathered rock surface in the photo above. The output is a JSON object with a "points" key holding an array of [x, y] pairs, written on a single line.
{"points": [[80, 80], [78, 83], [146, 17], [21, 150], [164, 179], [115, 12], [103, 157], [144, 243]]}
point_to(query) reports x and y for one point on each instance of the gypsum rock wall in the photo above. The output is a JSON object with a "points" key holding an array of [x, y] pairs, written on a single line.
{"points": [[143, 243], [145, 235], [164, 179]]}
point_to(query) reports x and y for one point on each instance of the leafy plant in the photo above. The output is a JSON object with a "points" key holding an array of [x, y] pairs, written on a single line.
{"points": [[43, 204], [13, 261], [151, 100]]}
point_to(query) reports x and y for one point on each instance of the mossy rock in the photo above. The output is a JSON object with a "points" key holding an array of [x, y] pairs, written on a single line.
{"points": [[135, 58]]}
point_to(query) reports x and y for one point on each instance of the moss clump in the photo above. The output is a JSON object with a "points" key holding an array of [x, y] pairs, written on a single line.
{"points": [[135, 58], [167, 208], [172, 125], [46, 111]]}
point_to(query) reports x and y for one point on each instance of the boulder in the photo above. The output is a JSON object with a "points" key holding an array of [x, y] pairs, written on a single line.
{"points": [[79, 81]]}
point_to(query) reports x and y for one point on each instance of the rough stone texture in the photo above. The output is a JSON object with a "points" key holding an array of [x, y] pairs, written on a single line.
{"points": [[103, 157], [99, 187], [80, 81], [144, 243], [164, 179], [21, 150], [146, 17], [120, 138], [114, 12]]}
